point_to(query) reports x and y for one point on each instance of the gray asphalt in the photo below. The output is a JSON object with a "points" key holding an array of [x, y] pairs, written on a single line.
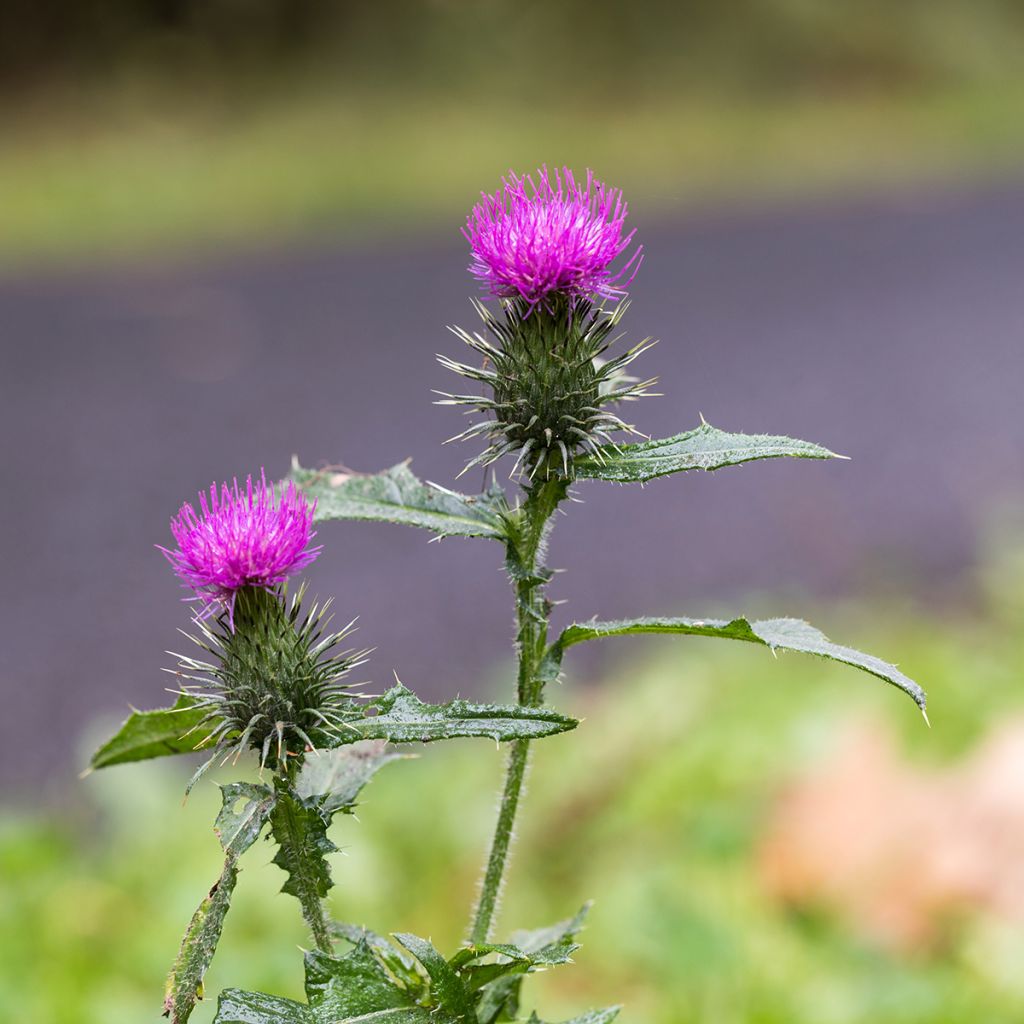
{"points": [[888, 328]]}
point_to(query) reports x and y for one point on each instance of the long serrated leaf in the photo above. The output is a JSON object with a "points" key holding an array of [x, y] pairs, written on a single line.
{"points": [[706, 447], [332, 779], [403, 718], [157, 733], [237, 827], [447, 991], [398, 496], [777, 634], [302, 847], [184, 986]]}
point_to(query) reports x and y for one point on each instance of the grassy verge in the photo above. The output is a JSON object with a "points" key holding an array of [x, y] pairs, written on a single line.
{"points": [[98, 178]]}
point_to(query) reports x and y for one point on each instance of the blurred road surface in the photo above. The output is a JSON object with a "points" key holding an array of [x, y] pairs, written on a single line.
{"points": [[889, 329]]}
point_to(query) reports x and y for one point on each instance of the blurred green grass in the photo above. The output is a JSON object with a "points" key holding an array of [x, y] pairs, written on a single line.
{"points": [[101, 181], [654, 806]]}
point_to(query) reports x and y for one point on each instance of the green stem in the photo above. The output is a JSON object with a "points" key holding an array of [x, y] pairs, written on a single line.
{"points": [[532, 612]]}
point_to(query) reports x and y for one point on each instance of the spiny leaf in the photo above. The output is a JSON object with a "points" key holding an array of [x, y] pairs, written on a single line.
{"points": [[352, 985], [302, 846], [447, 991], [339, 990], [157, 733], [705, 447], [550, 945], [237, 830], [398, 496], [404, 718], [239, 827], [396, 960], [332, 779], [777, 634], [184, 986]]}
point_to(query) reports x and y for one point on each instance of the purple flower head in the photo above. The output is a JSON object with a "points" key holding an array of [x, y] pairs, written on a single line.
{"points": [[250, 538], [534, 238]]}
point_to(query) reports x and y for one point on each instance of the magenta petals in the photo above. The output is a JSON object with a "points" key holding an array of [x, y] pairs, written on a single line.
{"points": [[239, 538], [545, 235]]}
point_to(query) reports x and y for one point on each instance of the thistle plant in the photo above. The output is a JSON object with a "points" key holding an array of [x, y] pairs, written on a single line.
{"points": [[271, 680]]}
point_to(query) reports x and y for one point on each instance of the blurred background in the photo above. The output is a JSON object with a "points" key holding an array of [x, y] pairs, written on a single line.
{"points": [[229, 233]]}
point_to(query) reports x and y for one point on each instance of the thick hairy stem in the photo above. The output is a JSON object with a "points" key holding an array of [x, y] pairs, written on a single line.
{"points": [[490, 888], [531, 638]]}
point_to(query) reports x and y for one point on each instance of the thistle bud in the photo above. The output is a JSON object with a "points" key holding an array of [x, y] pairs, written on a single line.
{"points": [[545, 250]]}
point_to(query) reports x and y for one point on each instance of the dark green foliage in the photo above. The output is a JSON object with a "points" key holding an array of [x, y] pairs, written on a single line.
{"points": [[300, 831], [705, 447], [776, 634], [500, 997], [277, 682], [146, 734], [549, 386], [397, 496], [339, 990]]}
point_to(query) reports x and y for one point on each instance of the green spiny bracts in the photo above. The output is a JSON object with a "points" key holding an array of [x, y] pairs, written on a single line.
{"points": [[276, 682], [550, 386]]}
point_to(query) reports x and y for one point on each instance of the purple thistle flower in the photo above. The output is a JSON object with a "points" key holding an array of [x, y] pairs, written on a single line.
{"points": [[533, 239], [241, 539]]}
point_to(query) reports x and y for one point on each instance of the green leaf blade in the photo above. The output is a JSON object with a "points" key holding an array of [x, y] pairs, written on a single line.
{"points": [[238, 828], [446, 987], [397, 496], [302, 849], [332, 780], [237, 1007], [158, 733], [706, 447], [184, 986], [776, 634], [403, 718]]}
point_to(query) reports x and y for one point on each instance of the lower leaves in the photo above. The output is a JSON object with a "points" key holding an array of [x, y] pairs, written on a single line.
{"points": [[410, 982]]}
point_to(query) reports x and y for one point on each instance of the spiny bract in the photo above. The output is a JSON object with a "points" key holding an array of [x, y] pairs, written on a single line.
{"points": [[275, 681], [550, 385]]}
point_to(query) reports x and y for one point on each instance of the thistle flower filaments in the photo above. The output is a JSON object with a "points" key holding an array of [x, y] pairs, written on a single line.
{"points": [[546, 249], [535, 238], [241, 539], [275, 680]]}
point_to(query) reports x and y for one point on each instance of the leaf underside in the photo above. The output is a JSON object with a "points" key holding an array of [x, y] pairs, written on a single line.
{"points": [[397, 495], [776, 634], [158, 733], [706, 447]]}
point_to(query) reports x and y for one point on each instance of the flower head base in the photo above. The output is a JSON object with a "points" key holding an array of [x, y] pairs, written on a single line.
{"points": [[535, 238], [551, 387], [273, 679], [239, 539]]}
